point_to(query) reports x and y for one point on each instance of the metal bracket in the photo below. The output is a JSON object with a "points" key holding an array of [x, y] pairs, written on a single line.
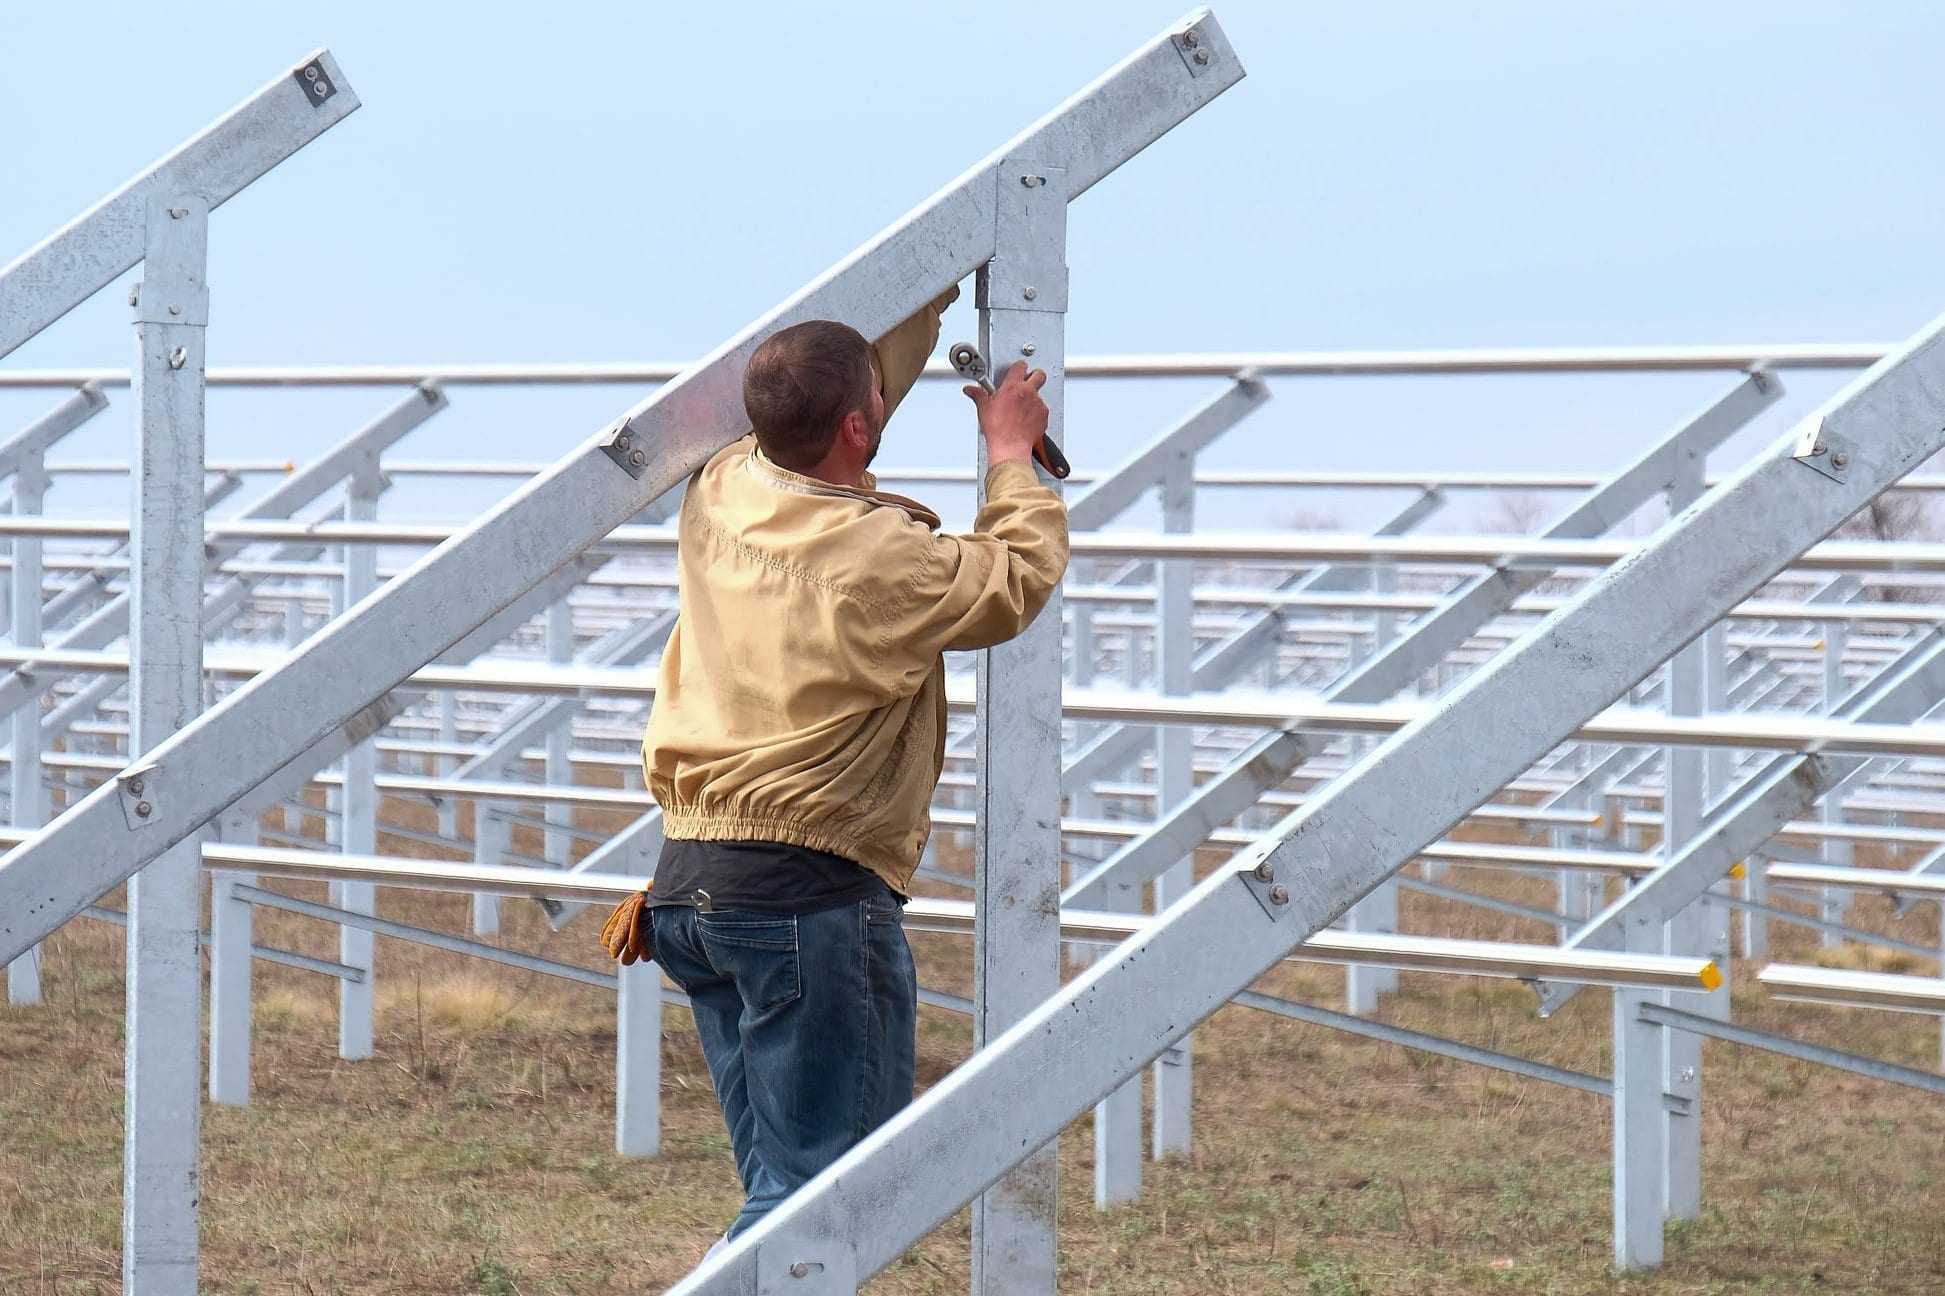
{"points": [[1260, 877], [1195, 55], [623, 444], [136, 790], [817, 1267], [1030, 212], [316, 82], [1821, 449]]}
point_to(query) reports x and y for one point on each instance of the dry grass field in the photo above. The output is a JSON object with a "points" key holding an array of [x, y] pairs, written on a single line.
{"points": [[473, 1154]]}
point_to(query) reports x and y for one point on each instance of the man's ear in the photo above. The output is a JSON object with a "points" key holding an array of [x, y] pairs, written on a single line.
{"points": [[856, 430]]}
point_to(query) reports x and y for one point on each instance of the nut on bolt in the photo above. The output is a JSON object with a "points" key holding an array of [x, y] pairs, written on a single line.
{"points": [[1191, 38], [1202, 58], [1839, 460], [143, 809], [1265, 871], [1279, 894]]}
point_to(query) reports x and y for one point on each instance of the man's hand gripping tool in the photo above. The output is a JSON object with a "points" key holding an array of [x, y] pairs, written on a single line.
{"points": [[972, 367]]}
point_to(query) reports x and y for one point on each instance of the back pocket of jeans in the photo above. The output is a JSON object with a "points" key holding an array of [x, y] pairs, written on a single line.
{"points": [[756, 951]]}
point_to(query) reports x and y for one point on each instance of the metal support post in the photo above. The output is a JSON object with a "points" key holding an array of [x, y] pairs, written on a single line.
{"points": [[902, 1181], [1836, 852], [1175, 775], [560, 739], [1682, 807], [1377, 912], [638, 1061], [25, 457], [164, 1053], [1016, 844], [359, 830], [231, 938]]}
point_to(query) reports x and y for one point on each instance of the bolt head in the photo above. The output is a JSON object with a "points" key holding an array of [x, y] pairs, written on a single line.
{"points": [[1029, 292], [1819, 447], [1028, 349], [1202, 58], [800, 1270], [178, 358], [638, 458], [1279, 894], [1191, 38], [143, 809], [1839, 460], [1266, 872], [1033, 181], [310, 74], [317, 88], [175, 308], [135, 786]]}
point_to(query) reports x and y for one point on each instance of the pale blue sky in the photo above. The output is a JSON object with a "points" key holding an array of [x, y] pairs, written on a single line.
{"points": [[616, 182]]}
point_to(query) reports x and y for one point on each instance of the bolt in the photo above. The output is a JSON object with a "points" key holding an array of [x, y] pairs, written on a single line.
{"points": [[143, 809], [1029, 292], [1839, 460], [135, 786], [177, 213], [1033, 181], [1202, 58], [175, 308], [310, 74], [1028, 349], [800, 1270], [638, 458], [317, 88], [1191, 38], [1279, 894], [134, 294], [622, 442], [1688, 1075], [178, 357], [1819, 447], [1265, 872]]}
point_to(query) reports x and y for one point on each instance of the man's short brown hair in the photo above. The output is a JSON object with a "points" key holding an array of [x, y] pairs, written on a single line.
{"points": [[799, 386]]}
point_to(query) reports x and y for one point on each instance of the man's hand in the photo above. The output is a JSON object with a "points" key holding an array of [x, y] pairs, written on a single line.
{"points": [[1014, 417]]}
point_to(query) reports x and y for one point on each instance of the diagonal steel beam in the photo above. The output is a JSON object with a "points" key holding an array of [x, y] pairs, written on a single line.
{"points": [[1760, 808], [1017, 1094], [263, 726], [1143, 471], [91, 251], [1272, 759]]}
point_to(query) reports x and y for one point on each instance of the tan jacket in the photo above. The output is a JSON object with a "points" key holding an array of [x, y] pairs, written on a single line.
{"points": [[802, 693]]}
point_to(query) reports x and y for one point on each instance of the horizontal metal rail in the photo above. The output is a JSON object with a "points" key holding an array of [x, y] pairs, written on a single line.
{"points": [[1849, 989], [1662, 1015], [1534, 360]]}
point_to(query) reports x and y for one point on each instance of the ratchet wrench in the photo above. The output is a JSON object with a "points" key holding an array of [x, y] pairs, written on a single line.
{"points": [[972, 367]]}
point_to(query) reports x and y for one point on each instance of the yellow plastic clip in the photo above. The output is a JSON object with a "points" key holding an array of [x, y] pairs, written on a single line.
{"points": [[1739, 869], [1711, 976]]}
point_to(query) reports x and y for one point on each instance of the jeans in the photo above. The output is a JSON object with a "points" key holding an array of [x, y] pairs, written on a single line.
{"points": [[808, 1024]]}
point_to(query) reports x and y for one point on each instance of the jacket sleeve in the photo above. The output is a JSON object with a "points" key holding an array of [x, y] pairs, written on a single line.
{"points": [[902, 353], [974, 591]]}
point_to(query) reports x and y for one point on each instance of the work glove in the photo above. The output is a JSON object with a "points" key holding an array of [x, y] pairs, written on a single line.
{"points": [[627, 934]]}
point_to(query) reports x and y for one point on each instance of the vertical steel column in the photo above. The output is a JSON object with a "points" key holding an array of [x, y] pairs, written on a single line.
{"points": [[1175, 774], [638, 1061], [1687, 932], [294, 636], [358, 833], [28, 797], [160, 1173], [1836, 852], [1016, 848], [1378, 911], [231, 920], [560, 739], [448, 704]]}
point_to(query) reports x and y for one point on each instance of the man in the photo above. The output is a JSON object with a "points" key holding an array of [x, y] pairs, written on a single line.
{"points": [[799, 731]]}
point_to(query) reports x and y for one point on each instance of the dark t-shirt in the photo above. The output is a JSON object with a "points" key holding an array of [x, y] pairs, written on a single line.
{"points": [[759, 877]]}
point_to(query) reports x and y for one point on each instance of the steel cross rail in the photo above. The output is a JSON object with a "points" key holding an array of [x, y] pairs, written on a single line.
{"points": [[1017, 1094], [91, 251]]}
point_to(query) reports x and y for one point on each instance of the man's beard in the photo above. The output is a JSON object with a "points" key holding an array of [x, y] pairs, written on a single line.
{"points": [[877, 435]]}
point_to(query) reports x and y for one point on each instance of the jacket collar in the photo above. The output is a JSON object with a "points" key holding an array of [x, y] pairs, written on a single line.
{"points": [[771, 474]]}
